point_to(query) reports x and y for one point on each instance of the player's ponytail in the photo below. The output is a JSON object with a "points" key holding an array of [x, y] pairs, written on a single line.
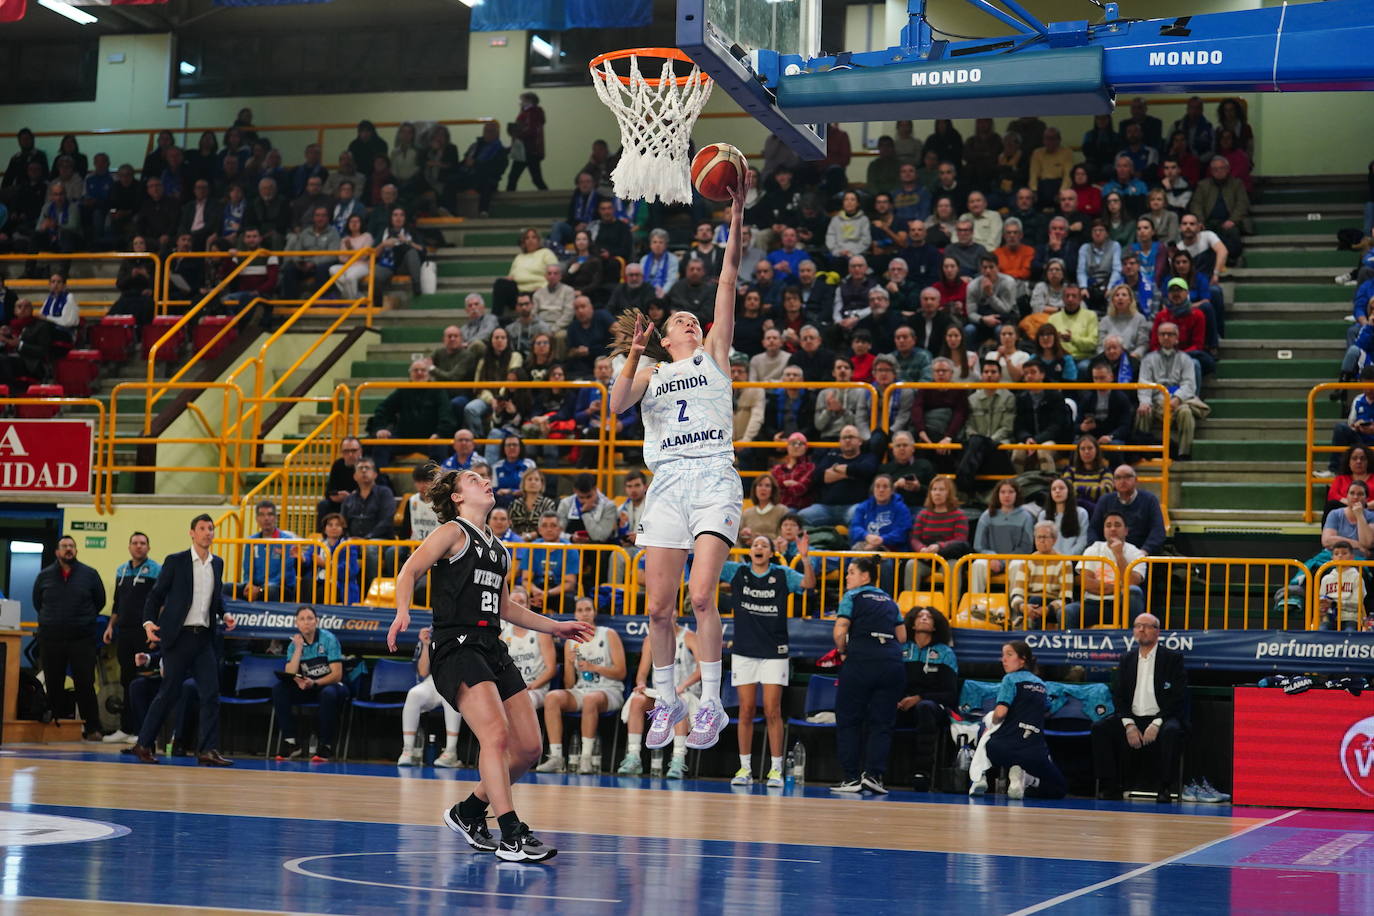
{"points": [[442, 485], [623, 333]]}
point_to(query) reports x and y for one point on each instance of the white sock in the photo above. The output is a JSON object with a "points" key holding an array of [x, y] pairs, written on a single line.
{"points": [[408, 741], [775, 763], [556, 750], [451, 745], [746, 762], [710, 681], [679, 745], [665, 682], [632, 744]]}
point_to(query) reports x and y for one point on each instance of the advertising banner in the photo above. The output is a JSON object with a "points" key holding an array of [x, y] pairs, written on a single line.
{"points": [[46, 456], [1309, 750]]}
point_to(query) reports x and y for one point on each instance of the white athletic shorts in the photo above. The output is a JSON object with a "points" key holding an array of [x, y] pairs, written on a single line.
{"points": [[693, 701], [688, 498], [614, 698], [746, 670], [537, 695]]}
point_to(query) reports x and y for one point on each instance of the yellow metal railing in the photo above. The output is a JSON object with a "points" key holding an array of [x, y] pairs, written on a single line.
{"points": [[273, 569], [1314, 451], [597, 565], [215, 436], [1250, 590], [1052, 581]]}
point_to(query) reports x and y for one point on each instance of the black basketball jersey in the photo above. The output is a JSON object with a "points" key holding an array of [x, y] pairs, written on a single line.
{"points": [[465, 589]]}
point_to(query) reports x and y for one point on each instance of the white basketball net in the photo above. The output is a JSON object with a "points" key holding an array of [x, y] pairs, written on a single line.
{"points": [[655, 130]]}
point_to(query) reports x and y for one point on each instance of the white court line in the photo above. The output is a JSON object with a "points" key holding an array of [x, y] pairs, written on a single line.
{"points": [[296, 866], [1145, 869], [588, 852]]}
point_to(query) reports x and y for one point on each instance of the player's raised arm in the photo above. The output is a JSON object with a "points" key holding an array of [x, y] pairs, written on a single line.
{"points": [[631, 335], [722, 333], [442, 541]]}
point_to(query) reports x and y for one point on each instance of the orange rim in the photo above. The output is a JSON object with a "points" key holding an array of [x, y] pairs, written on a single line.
{"points": [[663, 53]]}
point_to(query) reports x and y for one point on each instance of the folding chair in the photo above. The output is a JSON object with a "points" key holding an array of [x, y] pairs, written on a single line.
{"points": [[389, 677], [255, 674]]}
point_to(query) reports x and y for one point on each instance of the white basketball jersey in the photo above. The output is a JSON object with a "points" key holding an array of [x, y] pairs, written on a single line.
{"points": [[524, 651], [684, 662], [688, 412], [596, 650], [423, 521]]}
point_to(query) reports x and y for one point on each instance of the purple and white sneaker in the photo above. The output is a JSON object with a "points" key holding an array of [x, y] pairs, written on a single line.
{"points": [[662, 719], [707, 725]]}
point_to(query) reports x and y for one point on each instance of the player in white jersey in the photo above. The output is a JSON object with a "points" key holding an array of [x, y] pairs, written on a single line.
{"points": [[694, 502]]}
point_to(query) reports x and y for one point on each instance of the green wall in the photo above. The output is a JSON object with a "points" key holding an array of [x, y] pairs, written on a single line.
{"points": [[134, 94]]}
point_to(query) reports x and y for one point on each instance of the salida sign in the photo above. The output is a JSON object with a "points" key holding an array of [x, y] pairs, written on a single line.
{"points": [[1314, 749], [45, 456]]}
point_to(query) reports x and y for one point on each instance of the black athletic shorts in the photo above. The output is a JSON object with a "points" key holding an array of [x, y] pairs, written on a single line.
{"points": [[471, 658]]}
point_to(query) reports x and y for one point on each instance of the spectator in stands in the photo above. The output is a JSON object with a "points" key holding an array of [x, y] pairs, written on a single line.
{"points": [[991, 417], [525, 327], [348, 279], [789, 410], [368, 513], [1105, 415], [1152, 129], [938, 415], [846, 473], [1116, 553], [58, 227], [693, 293], [1222, 205], [633, 293], [965, 250], [849, 234], [1196, 128], [398, 251], [1163, 221], [201, 216], [882, 522], [1341, 593], [1124, 320], [632, 509], [795, 474], [1190, 319], [1068, 516], [1058, 247], [1049, 348], [1038, 586], [1165, 366], [763, 517], [1150, 698], [884, 170], [868, 694], [910, 198], [1139, 509], [529, 130], [1139, 280], [1144, 157], [582, 210], [910, 362], [952, 293], [659, 267], [1238, 158], [341, 480], [550, 579], [553, 303], [987, 223], [940, 224], [157, 217], [1099, 265], [1078, 331], [316, 661], [1050, 167], [411, 413], [68, 597], [940, 528], [1014, 259], [956, 350], [948, 185], [840, 407], [464, 455], [1099, 147], [528, 270], [588, 516], [992, 299], [1205, 248], [482, 166], [1125, 366], [1358, 428], [748, 407], [256, 281], [911, 473], [1041, 419], [1178, 190], [269, 213], [587, 336], [480, 325], [347, 205], [319, 236], [19, 162], [1352, 523], [1007, 527], [767, 366], [612, 236], [903, 293], [530, 504], [456, 361], [267, 571]]}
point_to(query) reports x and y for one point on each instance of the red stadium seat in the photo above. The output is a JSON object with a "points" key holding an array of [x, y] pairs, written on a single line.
{"points": [[77, 371], [113, 337], [171, 350], [205, 331], [41, 411]]}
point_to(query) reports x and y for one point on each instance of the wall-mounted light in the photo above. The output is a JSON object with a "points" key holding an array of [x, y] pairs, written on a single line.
{"points": [[80, 17], [541, 47], [186, 68]]}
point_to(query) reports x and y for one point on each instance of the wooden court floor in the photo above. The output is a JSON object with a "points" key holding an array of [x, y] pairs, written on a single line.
{"points": [[92, 831]]}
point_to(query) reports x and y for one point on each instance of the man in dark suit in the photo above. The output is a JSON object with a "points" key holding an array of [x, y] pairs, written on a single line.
{"points": [[181, 614], [1150, 695]]}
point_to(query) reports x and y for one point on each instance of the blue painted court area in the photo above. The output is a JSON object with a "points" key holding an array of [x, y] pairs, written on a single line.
{"points": [[346, 867]]}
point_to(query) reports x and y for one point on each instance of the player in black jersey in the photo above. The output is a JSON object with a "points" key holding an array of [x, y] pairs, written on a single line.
{"points": [[468, 565]]}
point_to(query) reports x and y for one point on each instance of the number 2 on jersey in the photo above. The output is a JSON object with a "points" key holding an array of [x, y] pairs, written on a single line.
{"points": [[682, 411]]}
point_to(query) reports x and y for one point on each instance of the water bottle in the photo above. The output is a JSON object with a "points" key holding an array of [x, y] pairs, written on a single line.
{"points": [[656, 764], [789, 779], [799, 763], [574, 749], [431, 749], [964, 758]]}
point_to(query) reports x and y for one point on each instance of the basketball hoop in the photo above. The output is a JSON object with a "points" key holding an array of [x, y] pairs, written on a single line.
{"points": [[656, 115]]}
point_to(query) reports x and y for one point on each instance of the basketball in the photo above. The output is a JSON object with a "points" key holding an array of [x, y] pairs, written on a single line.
{"points": [[716, 169]]}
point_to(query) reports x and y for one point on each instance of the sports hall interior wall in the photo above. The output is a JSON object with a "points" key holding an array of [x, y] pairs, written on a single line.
{"points": [[1321, 133]]}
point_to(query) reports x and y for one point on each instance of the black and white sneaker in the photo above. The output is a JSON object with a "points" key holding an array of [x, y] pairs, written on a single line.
{"points": [[872, 784], [290, 750], [524, 846], [848, 787], [475, 832]]}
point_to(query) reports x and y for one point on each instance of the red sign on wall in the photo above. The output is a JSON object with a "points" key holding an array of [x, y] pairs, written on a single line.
{"points": [[46, 456], [1311, 750]]}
